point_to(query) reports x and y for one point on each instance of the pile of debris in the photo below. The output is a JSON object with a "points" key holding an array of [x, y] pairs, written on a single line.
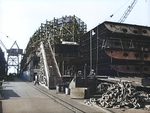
{"points": [[120, 95]]}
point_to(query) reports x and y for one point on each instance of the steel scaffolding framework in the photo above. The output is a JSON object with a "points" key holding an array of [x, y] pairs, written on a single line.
{"points": [[47, 42], [68, 28]]}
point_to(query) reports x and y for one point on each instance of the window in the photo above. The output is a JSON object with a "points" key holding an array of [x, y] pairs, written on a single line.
{"points": [[135, 31], [144, 31], [125, 54], [124, 30], [117, 43], [146, 56], [136, 55]]}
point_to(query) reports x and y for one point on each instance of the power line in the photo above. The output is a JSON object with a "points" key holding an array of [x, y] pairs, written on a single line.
{"points": [[7, 36]]}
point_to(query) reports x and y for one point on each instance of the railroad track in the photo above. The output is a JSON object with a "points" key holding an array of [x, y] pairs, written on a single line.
{"points": [[56, 99]]}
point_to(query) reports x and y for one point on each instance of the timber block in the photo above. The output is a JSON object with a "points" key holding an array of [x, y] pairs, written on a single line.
{"points": [[146, 82], [79, 93]]}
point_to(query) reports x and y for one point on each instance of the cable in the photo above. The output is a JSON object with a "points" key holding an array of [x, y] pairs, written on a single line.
{"points": [[7, 36], [4, 34], [116, 11]]}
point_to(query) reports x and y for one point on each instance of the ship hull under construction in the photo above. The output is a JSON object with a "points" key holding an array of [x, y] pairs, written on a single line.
{"points": [[117, 49]]}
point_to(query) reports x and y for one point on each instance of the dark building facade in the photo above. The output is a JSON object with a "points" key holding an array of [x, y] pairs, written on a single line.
{"points": [[2, 63]]}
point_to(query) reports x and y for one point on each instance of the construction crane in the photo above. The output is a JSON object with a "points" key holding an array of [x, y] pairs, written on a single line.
{"points": [[13, 56], [127, 12]]}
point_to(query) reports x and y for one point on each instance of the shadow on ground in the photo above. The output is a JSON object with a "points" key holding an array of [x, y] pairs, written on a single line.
{"points": [[1, 107], [7, 94], [15, 79]]}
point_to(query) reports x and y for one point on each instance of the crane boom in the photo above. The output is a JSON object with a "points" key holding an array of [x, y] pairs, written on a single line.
{"points": [[127, 12], [1, 43]]}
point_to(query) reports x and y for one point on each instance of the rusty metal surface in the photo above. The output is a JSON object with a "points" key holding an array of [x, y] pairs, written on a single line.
{"points": [[130, 29], [128, 55]]}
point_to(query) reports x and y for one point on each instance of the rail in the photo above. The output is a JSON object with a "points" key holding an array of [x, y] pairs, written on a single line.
{"points": [[56, 99]]}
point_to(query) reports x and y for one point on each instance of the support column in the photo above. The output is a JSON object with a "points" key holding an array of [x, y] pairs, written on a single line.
{"points": [[63, 67]]}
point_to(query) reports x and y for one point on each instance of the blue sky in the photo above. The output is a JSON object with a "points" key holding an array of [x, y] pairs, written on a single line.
{"points": [[19, 19]]}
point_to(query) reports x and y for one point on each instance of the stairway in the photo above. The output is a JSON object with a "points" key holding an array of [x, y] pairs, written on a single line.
{"points": [[50, 65]]}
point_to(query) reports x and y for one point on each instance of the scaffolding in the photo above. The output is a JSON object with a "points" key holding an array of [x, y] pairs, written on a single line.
{"points": [[68, 28], [53, 34]]}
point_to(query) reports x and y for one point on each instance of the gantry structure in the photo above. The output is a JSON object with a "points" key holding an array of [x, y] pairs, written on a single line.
{"points": [[50, 47], [13, 57]]}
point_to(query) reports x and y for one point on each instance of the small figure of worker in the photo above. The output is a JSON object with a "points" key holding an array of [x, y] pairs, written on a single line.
{"points": [[92, 73], [36, 80]]}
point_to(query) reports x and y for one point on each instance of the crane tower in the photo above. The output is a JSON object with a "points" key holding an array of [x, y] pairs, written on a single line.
{"points": [[13, 57]]}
